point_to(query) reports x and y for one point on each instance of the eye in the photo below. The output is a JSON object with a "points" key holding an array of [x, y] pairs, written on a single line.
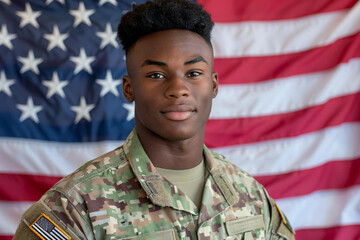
{"points": [[156, 76], [194, 74]]}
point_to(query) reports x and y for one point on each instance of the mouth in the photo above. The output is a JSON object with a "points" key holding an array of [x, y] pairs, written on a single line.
{"points": [[178, 112]]}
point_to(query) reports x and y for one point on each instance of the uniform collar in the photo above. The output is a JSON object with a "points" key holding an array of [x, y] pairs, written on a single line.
{"points": [[161, 192], [219, 193]]}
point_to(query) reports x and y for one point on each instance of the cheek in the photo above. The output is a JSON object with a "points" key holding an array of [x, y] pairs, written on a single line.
{"points": [[206, 102]]}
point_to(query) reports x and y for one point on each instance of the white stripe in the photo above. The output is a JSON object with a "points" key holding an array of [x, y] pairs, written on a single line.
{"points": [[12, 212], [285, 36], [302, 91], [58, 233], [42, 232], [323, 208], [302, 152], [48, 158], [285, 155]]}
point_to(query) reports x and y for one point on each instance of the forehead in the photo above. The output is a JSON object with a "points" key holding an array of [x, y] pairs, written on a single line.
{"points": [[167, 43]]}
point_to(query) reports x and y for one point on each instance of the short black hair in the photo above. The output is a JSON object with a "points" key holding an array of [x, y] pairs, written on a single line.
{"points": [[162, 15]]}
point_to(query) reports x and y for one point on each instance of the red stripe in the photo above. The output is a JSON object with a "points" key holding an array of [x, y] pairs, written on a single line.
{"points": [[227, 132], [23, 187], [264, 10], [219, 133], [350, 232], [2, 237], [330, 175], [257, 69]]}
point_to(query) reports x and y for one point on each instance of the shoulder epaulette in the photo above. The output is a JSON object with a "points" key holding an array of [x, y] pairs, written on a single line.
{"points": [[281, 225]]}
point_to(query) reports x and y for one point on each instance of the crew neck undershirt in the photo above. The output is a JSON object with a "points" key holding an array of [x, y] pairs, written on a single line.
{"points": [[190, 181]]}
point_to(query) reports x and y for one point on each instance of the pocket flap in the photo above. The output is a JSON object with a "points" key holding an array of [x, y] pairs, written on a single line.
{"points": [[169, 234], [244, 224]]}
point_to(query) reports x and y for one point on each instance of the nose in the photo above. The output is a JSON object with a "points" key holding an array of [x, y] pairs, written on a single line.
{"points": [[177, 87]]}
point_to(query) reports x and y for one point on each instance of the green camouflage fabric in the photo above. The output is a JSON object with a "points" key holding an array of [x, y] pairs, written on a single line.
{"points": [[121, 196]]}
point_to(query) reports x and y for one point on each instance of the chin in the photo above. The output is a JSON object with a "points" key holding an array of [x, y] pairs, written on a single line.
{"points": [[179, 135]]}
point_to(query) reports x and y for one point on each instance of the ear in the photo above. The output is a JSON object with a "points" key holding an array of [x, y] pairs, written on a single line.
{"points": [[127, 89], [215, 81]]}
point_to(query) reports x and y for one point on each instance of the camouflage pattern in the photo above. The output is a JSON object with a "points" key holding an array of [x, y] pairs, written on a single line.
{"points": [[121, 196]]}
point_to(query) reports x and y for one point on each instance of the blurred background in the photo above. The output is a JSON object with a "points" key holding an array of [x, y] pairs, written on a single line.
{"points": [[288, 109]]}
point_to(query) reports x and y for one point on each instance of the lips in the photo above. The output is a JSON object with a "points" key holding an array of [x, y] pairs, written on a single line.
{"points": [[178, 112]]}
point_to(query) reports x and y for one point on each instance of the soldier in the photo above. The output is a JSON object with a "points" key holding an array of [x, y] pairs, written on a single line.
{"points": [[163, 183]]}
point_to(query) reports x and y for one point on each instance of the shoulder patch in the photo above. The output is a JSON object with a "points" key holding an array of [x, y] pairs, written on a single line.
{"points": [[46, 229]]}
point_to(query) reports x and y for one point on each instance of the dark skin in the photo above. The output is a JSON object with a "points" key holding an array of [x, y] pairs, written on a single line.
{"points": [[172, 82]]}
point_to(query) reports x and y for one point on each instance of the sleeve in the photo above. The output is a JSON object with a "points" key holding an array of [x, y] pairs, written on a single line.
{"points": [[54, 216], [279, 227]]}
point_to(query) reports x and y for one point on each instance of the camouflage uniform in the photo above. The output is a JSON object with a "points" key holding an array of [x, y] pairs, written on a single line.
{"points": [[120, 196]]}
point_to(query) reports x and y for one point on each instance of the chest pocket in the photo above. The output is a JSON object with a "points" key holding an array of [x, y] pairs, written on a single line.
{"points": [[169, 234], [245, 226]]}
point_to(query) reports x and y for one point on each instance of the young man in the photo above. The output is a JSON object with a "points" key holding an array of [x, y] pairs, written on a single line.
{"points": [[163, 183]]}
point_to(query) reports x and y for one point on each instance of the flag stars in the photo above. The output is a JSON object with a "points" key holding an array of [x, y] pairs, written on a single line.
{"points": [[50, 1], [55, 86], [30, 63], [56, 39], [5, 84], [102, 2], [82, 15], [29, 110], [28, 16], [130, 107], [5, 1], [82, 62], [108, 85], [107, 37], [83, 110], [5, 37]]}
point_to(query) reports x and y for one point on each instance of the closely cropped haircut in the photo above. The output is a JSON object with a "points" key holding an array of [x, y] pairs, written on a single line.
{"points": [[161, 15]]}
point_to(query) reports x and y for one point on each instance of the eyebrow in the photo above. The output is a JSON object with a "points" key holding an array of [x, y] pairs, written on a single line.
{"points": [[158, 63], [195, 60], [152, 62]]}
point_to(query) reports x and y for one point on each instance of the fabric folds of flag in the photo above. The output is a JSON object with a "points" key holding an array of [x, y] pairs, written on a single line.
{"points": [[287, 110]]}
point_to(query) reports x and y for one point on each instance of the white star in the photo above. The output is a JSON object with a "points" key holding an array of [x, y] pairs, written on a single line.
{"points": [[102, 2], [5, 84], [55, 86], [82, 111], [30, 63], [50, 1], [82, 62], [131, 110], [5, 38], [29, 110], [28, 16], [108, 85], [82, 15], [6, 1], [107, 37], [56, 39]]}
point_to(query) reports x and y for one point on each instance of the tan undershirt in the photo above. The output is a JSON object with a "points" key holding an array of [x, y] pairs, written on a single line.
{"points": [[190, 181]]}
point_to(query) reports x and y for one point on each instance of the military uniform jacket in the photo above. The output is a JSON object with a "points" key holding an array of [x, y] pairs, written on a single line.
{"points": [[120, 195]]}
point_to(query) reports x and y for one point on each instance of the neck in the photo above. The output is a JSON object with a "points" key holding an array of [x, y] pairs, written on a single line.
{"points": [[177, 155]]}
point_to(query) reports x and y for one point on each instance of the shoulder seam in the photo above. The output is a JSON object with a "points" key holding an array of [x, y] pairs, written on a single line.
{"points": [[95, 173]]}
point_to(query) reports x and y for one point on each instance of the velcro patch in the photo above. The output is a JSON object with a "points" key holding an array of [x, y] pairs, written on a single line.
{"points": [[245, 224], [47, 229]]}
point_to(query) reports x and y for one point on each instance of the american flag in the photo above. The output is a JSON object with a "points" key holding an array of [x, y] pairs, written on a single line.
{"points": [[288, 109], [48, 230]]}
